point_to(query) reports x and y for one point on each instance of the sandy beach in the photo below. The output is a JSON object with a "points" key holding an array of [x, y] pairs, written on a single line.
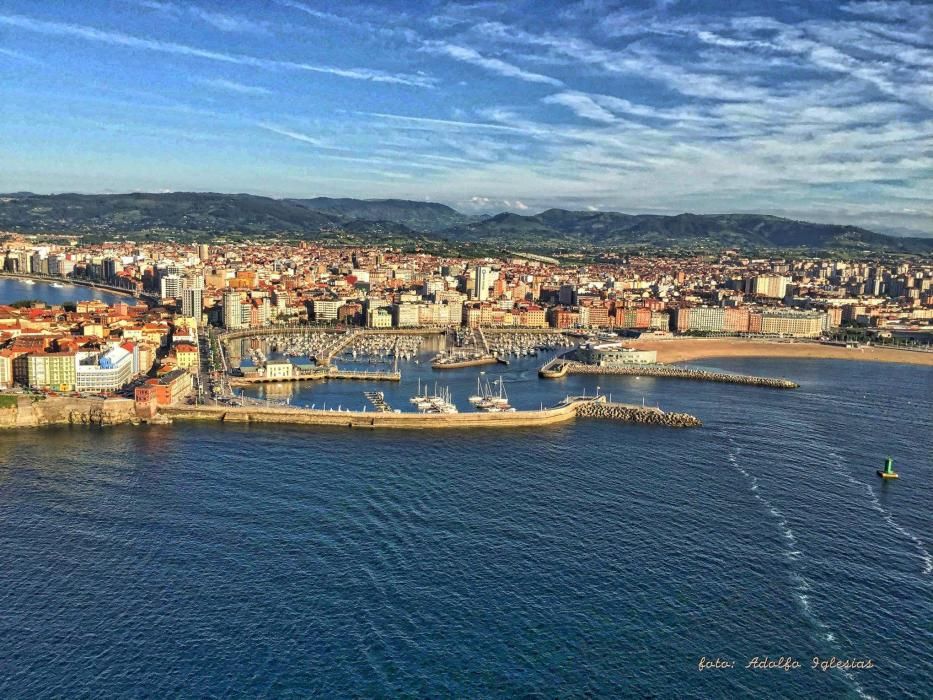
{"points": [[686, 349]]}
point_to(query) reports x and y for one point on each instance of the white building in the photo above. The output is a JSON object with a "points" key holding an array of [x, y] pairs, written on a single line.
{"points": [[233, 317], [613, 354], [325, 309], [108, 371], [170, 286]]}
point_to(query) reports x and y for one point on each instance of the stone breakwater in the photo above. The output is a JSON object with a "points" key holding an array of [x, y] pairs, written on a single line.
{"points": [[638, 414], [559, 369]]}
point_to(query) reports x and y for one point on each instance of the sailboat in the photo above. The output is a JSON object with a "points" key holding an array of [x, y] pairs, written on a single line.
{"points": [[479, 395], [493, 403]]}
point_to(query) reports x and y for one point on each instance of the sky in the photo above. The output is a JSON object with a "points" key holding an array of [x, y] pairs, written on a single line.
{"points": [[817, 110]]}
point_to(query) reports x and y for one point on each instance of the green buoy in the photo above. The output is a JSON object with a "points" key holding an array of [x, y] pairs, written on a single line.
{"points": [[888, 472]]}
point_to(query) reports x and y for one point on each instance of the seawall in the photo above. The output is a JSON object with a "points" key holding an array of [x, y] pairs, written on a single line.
{"points": [[568, 410], [29, 413], [374, 419]]}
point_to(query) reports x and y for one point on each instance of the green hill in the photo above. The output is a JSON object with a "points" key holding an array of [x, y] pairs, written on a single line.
{"points": [[401, 222], [418, 216]]}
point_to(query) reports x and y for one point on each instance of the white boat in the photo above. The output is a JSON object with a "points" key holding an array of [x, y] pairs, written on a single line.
{"points": [[28, 282], [492, 403], [57, 285], [478, 396]]}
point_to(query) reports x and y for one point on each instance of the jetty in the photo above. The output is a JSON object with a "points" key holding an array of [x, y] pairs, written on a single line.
{"points": [[560, 367], [319, 374], [568, 409], [454, 363]]}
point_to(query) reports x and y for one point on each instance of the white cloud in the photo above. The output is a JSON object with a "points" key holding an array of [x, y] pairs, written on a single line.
{"points": [[495, 65], [289, 133], [18, 55], [440, 123], [581, 105], [232, 86], [168, 47], [228, 23]]}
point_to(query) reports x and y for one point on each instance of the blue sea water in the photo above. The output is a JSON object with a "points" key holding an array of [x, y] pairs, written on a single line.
{"points": [[591, 559], [19, 290]]}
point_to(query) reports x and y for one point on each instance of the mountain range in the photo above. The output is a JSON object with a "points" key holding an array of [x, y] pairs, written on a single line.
{"points": [[206, 215]]}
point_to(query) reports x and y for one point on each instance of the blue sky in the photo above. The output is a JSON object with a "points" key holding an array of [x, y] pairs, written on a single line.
{"points": [[817, 110]]}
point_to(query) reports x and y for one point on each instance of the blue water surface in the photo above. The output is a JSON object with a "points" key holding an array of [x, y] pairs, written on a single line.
{"points": [[590, 559]]}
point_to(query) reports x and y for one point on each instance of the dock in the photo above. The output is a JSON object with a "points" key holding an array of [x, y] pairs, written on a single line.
{"points": [[471, 362], [321, 373], [378, 400]]}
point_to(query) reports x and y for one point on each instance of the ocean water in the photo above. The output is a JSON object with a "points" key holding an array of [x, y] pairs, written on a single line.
{"points": [[19, 290], [592, 559]]}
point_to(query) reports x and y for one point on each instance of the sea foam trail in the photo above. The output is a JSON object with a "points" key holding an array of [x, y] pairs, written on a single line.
{"points": [[922, 552], [802, 585]]}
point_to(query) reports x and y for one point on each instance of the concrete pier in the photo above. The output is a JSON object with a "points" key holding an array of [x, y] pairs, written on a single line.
{"points": [[329, 372], [565, 411]]}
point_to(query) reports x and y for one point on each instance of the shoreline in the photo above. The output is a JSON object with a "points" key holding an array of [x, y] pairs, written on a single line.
{"points": [[72, 282], [687, 349]]}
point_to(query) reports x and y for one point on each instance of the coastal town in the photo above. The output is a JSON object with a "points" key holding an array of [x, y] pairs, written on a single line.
{"points": [[162, 343]]}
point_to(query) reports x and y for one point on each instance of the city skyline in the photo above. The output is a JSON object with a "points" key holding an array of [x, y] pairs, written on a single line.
{"points": [[817, 111]]}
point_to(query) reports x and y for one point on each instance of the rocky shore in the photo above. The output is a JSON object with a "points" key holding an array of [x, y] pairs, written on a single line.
{"points": [[31, 412], [637, 414]]}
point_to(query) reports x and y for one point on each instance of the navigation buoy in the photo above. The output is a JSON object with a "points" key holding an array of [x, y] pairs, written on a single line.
{"points": [[888, 472]]}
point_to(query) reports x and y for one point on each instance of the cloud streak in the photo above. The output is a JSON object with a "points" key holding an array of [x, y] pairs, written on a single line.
{"points": [[232, 86], [168, 47], [466, 54]]}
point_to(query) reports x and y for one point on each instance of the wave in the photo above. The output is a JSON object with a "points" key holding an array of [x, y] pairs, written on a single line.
{"points": [[922, 552], [802, 585]]}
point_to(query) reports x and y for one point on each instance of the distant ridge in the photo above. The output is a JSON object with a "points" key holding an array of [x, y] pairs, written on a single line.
{"points": [[212, 214]]}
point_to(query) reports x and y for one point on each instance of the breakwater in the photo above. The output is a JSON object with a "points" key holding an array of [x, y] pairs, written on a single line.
{"points": [[637, 414], [566, 410], [329, 372], [559, 368], [460, 364]]}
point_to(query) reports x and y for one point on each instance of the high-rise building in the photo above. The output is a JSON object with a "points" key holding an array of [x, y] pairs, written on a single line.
{"points": [[170, 286], [57, 264], [774, 286], [482, 280], [39, 264], [567, 295], [192, 301], [110, 269], [204, 252], [233, 317]]}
